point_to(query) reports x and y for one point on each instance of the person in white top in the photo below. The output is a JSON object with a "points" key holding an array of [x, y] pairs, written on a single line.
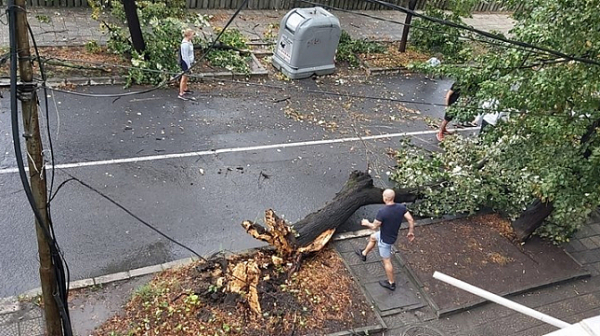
{"points": [[492, 117], [186, 59]]}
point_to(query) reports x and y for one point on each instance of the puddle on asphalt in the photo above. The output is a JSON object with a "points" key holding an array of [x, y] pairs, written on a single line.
{"points": [[152, 254]]}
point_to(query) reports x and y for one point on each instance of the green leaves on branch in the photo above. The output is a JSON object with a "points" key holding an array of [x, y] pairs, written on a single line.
{"points": [[457, 180], [549, 148], [231, 59], [348, 49], [162, 22], [432, 37]]}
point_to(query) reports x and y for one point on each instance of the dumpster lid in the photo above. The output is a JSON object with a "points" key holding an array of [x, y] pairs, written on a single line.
{"points": [[318, 14], [293, 21]]}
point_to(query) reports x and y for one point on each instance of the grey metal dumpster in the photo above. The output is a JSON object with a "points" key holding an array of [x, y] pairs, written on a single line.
{"points": [[308, 38]]}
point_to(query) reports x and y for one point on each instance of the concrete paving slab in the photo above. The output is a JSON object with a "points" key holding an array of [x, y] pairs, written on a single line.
{"points": [[81, 283], [349, 245], [405, 294], [111, 278], [27, 321], [595, 240], [9, 305], [587, 256], [420, 330], [589, 243], [145, 270], [370, 271], [574, 245], [353, 259], [401, 320]]}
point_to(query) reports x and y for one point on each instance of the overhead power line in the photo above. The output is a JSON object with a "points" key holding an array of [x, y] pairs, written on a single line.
{"points": [[415, 26], [484, 33], [179, 74]]}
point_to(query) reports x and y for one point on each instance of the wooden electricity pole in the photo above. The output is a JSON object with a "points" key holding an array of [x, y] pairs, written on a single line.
{"points": [[411, 5], [33, 140]]}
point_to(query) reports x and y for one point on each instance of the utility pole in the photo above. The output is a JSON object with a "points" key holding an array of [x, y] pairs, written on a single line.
{"points": [[412, 4], [133, 22], [33, 140]]}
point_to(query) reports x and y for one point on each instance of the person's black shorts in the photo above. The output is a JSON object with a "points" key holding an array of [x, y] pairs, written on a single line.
{"points": [[184, 66], [448, 117]]}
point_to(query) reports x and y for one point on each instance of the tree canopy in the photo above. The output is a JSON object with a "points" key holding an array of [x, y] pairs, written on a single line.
{"points": [[548, 149]]}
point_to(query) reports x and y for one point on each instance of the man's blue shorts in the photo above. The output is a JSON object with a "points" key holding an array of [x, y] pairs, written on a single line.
{"points": [[385, 249]]}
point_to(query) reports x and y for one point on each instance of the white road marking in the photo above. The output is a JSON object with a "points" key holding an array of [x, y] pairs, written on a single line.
{"points": [[231, 150]]}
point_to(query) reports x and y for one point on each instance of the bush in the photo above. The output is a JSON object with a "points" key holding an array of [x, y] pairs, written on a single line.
{"points": [[433, 37], [162, 22], [230, 59], [92, 47], [348, 49]]}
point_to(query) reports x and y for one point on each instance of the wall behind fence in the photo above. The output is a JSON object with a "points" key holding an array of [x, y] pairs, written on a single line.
{"points": [[483, 6]]}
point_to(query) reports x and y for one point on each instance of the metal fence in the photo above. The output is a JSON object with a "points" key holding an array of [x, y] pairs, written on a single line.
{"points": [[483, 6], [28, 321]]}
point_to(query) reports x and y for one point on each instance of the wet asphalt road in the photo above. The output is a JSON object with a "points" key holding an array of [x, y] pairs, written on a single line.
{"points": [[199, 200]]}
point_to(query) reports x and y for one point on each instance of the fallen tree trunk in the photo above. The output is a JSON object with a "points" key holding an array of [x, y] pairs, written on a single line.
{"points": [[314, 231], [538, 211], [531, 219]]}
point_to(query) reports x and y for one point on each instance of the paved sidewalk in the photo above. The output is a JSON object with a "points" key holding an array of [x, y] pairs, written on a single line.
{"points": [[64, 27], [20, 318], [570, 302]]}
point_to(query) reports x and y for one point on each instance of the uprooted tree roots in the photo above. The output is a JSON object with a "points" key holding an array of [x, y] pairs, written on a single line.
{"points": [[292, 242], [232, 280], [241, 279]]}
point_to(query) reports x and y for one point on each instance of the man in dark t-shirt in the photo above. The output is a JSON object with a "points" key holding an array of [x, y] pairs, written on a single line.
{"points": [[388, 220], [451, 97]]}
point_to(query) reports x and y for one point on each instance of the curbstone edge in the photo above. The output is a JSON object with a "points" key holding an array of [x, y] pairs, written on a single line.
{"points": [[145, 270], [81, 283], [104, 279], [177, 263]]}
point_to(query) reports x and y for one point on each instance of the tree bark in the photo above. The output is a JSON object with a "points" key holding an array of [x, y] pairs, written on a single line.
{"points": [[314, 231], [538, 211], [358, 191], [531, 219], [133, 22]]}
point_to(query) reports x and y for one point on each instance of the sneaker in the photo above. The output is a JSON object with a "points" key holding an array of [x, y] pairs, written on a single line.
{"points": [[387, 284], [188, 92], [182, 97], [359, 253]]}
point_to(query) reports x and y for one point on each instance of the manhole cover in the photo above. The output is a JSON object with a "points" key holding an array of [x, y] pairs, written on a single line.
{"points": [[421, 331]]}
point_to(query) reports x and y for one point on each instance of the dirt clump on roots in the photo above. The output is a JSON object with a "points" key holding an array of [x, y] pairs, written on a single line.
{"points": [[246, 295]]}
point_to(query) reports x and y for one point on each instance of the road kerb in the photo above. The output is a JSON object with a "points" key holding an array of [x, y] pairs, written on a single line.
{"points": [[81, 283], [177, 263], [104, 279], [145, 270]]}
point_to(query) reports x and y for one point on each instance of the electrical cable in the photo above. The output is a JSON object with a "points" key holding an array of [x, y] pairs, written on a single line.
{"points": [[338, 94], [64, 285], [484, 33], [412, 25], [164, 82], [117, 204], [331, 93], [47, 114], [237, 12], [53, 246]]}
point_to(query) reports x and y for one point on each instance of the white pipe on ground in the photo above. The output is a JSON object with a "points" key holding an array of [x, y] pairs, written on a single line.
{"points": [[500, 300]]}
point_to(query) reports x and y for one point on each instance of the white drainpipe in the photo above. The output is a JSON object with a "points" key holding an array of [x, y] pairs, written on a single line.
{"points": [[500, 300]]}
